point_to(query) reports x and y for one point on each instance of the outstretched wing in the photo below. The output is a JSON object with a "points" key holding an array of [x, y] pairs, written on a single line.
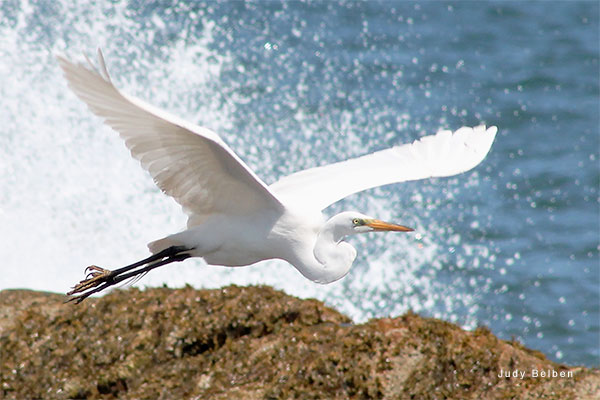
{"points": [[439, 155], [190, 163]]}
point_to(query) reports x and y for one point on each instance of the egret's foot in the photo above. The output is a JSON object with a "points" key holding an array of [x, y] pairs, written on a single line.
{"points": [[95, 271], [95, 277]]}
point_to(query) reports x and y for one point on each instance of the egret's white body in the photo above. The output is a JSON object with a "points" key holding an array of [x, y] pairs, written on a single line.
{"points": [[234, 218]]}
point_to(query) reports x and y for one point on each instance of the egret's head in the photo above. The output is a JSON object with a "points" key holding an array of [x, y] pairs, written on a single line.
{"points": [[353, 222], [360, 225], [337, 255]]}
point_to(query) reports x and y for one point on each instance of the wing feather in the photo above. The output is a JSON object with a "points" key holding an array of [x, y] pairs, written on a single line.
{"points": [[190, 163], [440, 155]]}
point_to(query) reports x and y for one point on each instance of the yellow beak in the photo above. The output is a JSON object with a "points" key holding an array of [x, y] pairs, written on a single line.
{"points": [[382, 226]]}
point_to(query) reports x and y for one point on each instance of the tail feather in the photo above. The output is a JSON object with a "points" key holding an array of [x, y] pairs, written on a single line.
{"points": [[162, 244]]}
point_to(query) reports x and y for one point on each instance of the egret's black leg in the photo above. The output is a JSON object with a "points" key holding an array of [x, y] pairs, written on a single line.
{"points": [[168, 252], [99, 278]]}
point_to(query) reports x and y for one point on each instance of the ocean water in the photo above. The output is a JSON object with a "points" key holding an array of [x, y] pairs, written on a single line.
{"points": [[513, 244]]}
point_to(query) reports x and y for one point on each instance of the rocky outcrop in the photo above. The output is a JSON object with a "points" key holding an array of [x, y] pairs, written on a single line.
{"points": [[256, 343]]}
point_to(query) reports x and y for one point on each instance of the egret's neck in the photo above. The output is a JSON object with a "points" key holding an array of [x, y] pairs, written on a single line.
{"points": [[333, 256], [327, 241]]}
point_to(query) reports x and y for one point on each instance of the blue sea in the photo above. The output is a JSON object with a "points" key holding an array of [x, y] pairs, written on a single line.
{"points": [[512, 245]]}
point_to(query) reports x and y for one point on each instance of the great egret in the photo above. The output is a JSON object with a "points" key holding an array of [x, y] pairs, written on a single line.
{"points": [[234, 218]]}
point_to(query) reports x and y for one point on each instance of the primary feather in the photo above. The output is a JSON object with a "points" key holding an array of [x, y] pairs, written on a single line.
{"points": [[188, 162], [439, 155]]}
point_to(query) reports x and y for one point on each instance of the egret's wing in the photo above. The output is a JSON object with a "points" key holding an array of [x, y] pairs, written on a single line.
{"points": [[190, 163], [439, 155]]}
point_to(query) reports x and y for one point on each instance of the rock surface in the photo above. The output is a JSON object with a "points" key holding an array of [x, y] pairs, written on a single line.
{"points": [[255, 343]]}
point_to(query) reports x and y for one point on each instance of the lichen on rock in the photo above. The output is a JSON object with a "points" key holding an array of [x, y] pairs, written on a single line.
{"points": [[253, 343]]}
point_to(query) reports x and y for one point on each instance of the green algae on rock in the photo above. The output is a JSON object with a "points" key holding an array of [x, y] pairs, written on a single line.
{"points": [[254, 343]]}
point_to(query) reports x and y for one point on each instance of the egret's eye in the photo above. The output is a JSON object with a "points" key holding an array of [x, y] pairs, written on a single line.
{"points": [[356, 221]]}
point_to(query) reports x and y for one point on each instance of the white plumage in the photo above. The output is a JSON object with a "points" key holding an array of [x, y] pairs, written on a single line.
{"points": [[439, 155], [234, 218], [188, 162]]}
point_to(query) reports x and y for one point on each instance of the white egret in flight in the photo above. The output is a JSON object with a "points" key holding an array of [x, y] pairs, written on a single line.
{"points": [[234, 218]]}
